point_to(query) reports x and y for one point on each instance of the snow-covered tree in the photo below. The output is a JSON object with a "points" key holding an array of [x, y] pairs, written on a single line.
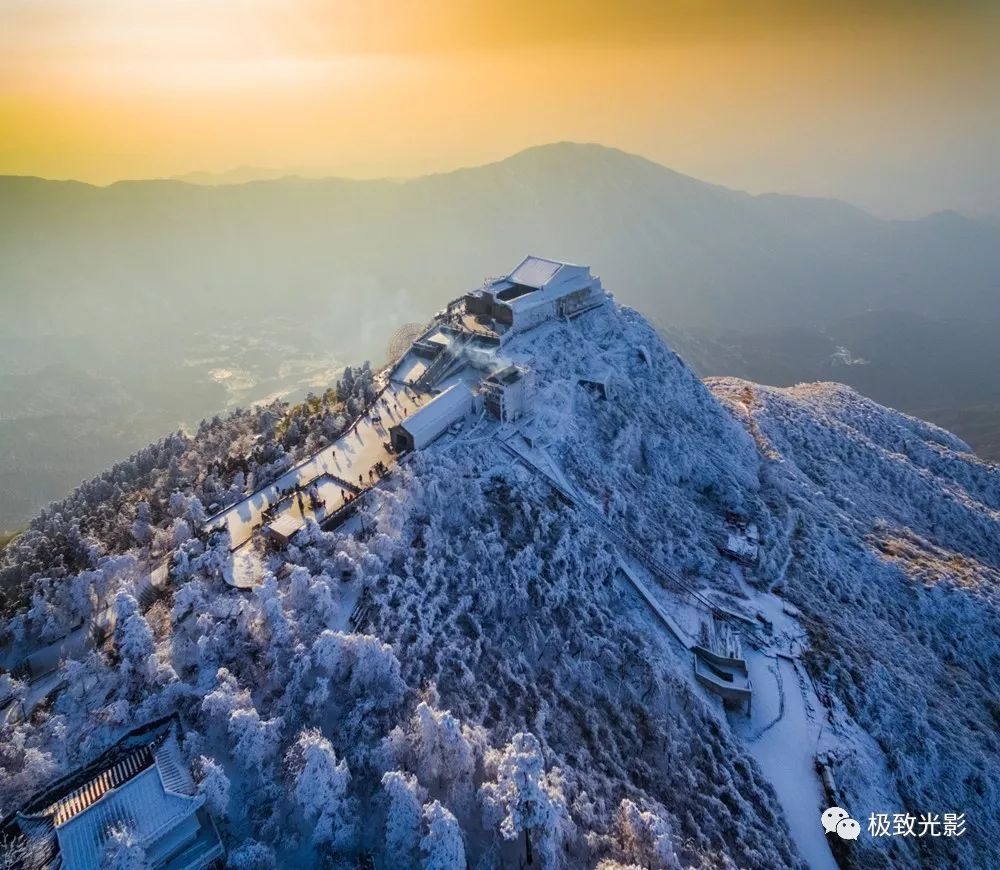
{"points": [[134, 643], [442, 752], [227, 697], [524, 799], [133, 636], [321, 789], [403, 818], [22, 766], [255, 740], [214, 785], [279, 628], [443, 846], [142, 529], [363, 663]]}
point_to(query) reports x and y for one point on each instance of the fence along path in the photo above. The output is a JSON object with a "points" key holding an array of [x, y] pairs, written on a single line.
{"points": [[626, 545]]}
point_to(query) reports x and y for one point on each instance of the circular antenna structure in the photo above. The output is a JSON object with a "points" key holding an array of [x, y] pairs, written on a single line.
{"points": [[402, 338]]}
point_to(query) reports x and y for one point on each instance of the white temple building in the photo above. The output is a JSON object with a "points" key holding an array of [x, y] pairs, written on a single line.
{"points": [[536, 291], [143, 784]]}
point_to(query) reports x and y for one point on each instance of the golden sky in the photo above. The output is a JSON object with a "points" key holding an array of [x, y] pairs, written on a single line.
{"points": [[889, 103]]}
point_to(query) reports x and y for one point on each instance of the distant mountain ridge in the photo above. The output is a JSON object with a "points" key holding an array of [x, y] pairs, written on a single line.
{"points": [[782, 259], [151, 286], [239, 175]]}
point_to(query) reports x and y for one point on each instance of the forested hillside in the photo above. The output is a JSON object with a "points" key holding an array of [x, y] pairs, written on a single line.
{"points": [[507, 690]]}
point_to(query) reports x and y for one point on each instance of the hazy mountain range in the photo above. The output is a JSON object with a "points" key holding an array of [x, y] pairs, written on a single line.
{"points": [[135, 308]]}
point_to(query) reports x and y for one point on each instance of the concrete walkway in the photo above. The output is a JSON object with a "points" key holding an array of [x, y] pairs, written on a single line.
{"points": [[351, 456], [633, 575]]}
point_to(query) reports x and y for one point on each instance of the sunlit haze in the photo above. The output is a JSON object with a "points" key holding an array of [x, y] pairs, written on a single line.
{"points": [[891, 105]]}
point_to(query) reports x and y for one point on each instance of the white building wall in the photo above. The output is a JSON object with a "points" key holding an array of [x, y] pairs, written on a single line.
{"points": [[438, 414]]}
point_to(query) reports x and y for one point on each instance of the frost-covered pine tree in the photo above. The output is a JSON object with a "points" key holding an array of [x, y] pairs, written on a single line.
{"points": [[443, 846], [321, 789], [142, 529], [524, 800], [133, 636], [134, 643], [214, 785], [443, 755], [362, 663], [281, 633], [227, 697], [255, 740], [402, 820]]}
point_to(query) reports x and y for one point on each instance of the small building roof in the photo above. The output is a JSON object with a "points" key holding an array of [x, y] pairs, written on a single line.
{"points": [[142, 782], [438, 414], [551, 280], [507, 375], [143, 804], [286, 525], [535, 272]]}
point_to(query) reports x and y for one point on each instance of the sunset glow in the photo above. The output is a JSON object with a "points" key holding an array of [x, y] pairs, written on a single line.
{"points": [[832, 99]]}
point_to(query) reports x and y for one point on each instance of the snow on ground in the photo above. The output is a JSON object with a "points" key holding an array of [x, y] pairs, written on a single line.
{"points": [[507, 659], [785, 724], [886, 537], [351, 457], [244, 567], [781, 736]]}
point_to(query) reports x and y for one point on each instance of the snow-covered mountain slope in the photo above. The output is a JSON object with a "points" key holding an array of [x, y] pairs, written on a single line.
{"points": [[521, 680], [893, 555]]}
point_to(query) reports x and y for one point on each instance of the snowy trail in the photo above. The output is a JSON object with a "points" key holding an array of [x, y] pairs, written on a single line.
{"points": [[781, 738], [783, 732]]}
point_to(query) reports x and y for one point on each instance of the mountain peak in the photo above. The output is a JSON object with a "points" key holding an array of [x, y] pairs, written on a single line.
{"points": [[610, 541]]}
